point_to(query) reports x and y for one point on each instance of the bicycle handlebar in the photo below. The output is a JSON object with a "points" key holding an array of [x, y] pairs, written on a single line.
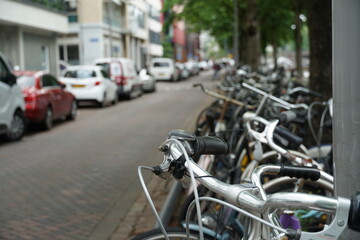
{"points": [[285, 104], [252, 197], [201, 144], [222, 97], [267, 137]]}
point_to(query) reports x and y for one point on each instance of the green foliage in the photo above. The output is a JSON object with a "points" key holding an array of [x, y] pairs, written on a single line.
{"points": [[214, 16], [168, 48], [276, 18], [217, 17], [56, 5]]}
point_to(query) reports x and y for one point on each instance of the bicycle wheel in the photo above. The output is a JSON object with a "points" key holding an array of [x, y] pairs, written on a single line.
{"points": [[173, 233]]}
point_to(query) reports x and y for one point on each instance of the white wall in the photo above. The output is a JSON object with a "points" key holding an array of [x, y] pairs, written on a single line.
{"points": [[91, 43], [27, 15]]}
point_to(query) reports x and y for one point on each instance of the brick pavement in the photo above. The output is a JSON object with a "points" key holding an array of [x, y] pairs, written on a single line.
{"points": [[140, 217]]}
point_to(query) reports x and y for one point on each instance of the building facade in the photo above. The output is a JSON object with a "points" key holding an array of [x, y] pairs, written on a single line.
{"points": [[77, 32], [29, 34], [111, 28]]}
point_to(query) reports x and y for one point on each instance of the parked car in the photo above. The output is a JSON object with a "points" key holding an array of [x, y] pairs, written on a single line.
{"points": [[163, 69], [204, 65], [45, 98], [192, 67], [90, 83], [184, 72], [148, 81], [123, 72], [12, 106]]}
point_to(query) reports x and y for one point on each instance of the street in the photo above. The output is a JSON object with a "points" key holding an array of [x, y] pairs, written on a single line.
{"points": [[62, 183]]}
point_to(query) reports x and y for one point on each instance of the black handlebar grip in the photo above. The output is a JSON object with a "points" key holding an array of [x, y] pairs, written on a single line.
{"points": [[210, 145], [300, 172], [354, 215], [292, 138]]}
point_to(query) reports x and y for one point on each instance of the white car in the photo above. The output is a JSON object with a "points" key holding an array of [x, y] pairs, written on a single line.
{"points": [[164, 69], [148, 81], [123, 72], [12, 106], [184, 72], [90, 83]]}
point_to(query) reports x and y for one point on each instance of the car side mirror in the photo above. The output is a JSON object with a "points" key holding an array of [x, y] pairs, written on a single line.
{"points": [[62, 85]]}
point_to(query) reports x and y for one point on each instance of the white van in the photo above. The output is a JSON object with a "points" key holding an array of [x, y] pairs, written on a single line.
{"points": [[124, 73], [12, 106], [164, 69]]}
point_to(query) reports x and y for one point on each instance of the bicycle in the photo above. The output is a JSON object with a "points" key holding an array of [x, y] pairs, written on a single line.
{"points": [[252, 198]]}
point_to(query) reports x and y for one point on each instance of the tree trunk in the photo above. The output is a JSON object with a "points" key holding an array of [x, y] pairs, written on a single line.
{"points": [[298, 39], [320, 35], [252, 35], [275, 53]]}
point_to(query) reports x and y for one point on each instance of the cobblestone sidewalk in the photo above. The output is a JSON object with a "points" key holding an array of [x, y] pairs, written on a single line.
{"points": [[140, 217]]}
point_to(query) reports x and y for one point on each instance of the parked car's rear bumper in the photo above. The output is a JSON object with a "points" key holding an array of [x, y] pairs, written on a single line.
{"points": [[96, 94], [167, 77]]}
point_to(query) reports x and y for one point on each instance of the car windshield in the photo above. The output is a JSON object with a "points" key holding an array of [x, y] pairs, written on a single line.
{"points": [[80, 73], [26, 81], [105, 66], [161, 64]]}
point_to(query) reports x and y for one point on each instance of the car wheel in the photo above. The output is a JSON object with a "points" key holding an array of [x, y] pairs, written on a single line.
{"points": [[48, 121], [130, 95], [154, 88], [103, 102], [17, 127], [73, 111], [141, 92], [116, 99]]}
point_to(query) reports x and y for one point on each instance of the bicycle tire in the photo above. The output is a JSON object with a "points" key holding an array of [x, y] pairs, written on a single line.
{"points": [[174, 233]]}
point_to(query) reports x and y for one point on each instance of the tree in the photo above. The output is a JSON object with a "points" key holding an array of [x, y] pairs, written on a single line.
{"points": [[320, 36], [298, 8], [251, 35], [276, 18], [214, 16]]}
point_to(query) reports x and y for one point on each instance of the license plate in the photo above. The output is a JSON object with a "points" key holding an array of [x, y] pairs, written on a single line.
{"points": [[161, 74], [77, 86]]}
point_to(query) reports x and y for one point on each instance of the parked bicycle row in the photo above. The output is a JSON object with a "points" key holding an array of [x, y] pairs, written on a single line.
{"points": [[249, 168], [40, 98]]}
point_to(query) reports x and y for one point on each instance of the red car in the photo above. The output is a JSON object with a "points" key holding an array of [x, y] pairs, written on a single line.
{"points": [[45, 98]]}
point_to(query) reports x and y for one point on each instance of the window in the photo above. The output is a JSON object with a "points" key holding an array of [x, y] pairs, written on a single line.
{"points": [[3, 71], [111, 14], [115, 69], [26, 81], [154, 13], [49, 81], [155, 37], [136, 17], [80, 74], [161, 64], [72, 53], [104, 74]]}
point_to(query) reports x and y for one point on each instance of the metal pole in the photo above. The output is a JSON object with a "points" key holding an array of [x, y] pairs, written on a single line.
{"points": [[346, 89], [169, 205]]}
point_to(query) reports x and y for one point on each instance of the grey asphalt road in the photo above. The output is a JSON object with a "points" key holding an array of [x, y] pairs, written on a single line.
{"points": [[64, 183]]}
